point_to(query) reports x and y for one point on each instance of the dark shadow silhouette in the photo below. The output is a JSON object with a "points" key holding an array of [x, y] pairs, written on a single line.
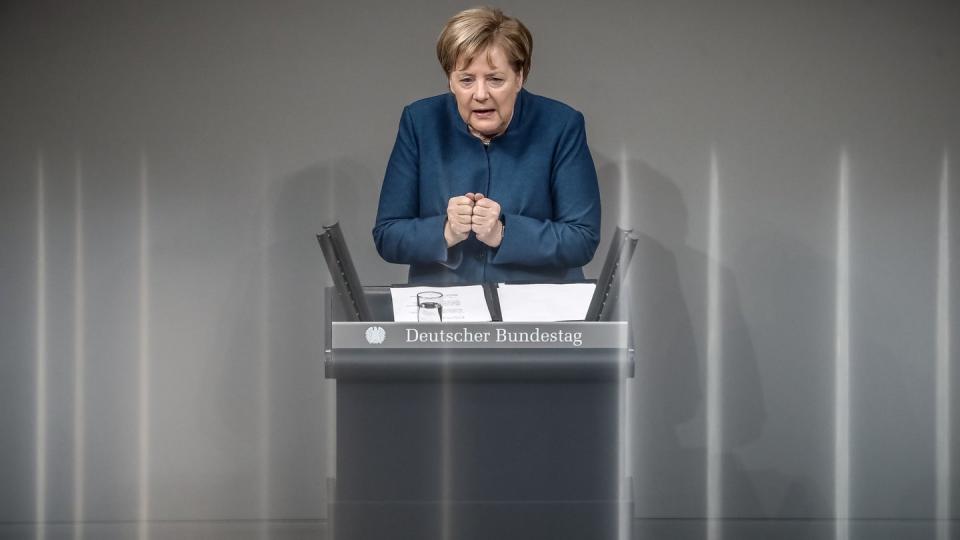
{"points": [[285, 307], [340, 190], [665, 299]]}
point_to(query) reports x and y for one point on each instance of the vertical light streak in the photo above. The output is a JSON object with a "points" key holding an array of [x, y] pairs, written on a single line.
{"points": [[331, 384], [330, 401], [624, 431], [714, 398], [446, 449], [624, 477], [943, 359], [624, 212], [331, 201], [40, 470], [263, 405], [627, 218], [79, 359], [842, 360], [143, 514]]}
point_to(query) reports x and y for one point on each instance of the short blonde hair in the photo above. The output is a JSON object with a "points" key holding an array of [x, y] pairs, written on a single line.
{"points": [[477, 29]]}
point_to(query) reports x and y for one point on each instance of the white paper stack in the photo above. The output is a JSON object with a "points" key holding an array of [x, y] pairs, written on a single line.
{"points": [[545, 302], [460, 304]]}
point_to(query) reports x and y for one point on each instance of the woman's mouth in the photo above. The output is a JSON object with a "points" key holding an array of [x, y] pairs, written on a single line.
{"points": [[484, 113]]}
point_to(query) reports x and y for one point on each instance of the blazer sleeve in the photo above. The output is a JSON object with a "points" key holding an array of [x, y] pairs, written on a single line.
{"points": [[400, 233], [569, 239]]}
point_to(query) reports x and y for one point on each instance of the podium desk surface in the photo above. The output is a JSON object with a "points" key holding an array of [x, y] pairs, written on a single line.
{"points": [[478, 351]]}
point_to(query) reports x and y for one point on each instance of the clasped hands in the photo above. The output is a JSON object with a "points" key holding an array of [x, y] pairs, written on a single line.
{"points": [[473, 212]]}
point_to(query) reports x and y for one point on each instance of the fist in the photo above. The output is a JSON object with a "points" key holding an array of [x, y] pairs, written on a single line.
{"points": [[459, 219], [485, 221]]}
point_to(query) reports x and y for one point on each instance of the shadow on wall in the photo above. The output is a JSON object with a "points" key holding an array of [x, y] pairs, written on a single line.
{"points": [[666, 296], [291, 295]]}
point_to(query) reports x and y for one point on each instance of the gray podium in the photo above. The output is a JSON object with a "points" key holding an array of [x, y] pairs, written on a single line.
{"points": [[478, 430]]}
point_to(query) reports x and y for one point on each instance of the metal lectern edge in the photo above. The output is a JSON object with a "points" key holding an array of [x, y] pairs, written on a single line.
{"points": [[480, 351]]}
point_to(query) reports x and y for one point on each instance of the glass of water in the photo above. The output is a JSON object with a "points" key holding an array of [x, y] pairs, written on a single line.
{"points": [[429, 306]]}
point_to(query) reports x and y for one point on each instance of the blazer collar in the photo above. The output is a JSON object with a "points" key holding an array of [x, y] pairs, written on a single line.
{"points": [[516, 123]]}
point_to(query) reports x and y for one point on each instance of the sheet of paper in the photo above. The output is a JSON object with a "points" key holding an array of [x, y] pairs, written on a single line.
{"points": [[460, 304], [545, 302]]}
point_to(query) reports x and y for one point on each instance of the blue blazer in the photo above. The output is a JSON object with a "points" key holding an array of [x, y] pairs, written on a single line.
{"points": [[539, 171]]}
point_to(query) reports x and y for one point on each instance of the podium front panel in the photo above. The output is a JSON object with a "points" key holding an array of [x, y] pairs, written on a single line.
{"points": [[466, 434]]}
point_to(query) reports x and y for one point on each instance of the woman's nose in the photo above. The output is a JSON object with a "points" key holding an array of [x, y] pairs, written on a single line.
{"points": [[480, 93]]}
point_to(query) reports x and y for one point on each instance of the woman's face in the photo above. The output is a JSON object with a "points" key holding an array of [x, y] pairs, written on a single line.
{"points": [[486, 91]]}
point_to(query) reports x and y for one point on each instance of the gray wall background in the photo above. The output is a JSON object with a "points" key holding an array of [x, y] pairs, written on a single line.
{"points": [[199, 146]]}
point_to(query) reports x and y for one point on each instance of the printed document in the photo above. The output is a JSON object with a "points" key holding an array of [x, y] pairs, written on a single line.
{"points": [[545, 302], [459, 304]]}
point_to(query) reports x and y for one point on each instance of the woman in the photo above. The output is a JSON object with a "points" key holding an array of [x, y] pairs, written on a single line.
{"points": [[489, 182]]}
